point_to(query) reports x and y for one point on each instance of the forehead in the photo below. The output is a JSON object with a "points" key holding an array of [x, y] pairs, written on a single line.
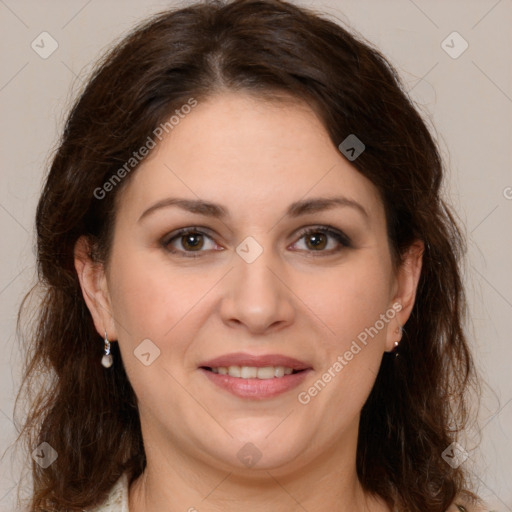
{"points": [[250, 154]]}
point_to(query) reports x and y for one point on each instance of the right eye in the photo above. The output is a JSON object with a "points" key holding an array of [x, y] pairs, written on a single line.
{"points": [[187, 241]]}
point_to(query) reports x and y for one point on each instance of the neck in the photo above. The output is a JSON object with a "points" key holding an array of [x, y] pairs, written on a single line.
{"points": [[175, 480]]}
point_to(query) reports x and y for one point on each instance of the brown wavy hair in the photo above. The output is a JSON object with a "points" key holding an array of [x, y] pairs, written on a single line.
{"points": [[273, 50]]}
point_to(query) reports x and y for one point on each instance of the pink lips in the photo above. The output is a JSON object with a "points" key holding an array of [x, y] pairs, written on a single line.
{"points": [[243, 359], [256, 389]]}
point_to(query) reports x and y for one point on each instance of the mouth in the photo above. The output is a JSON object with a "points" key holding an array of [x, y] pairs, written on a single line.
{"points": [[253, 372], [230, 364], [255, 377]]}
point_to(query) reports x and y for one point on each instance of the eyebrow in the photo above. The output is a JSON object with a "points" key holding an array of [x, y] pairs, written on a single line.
{"points": [[296, 209]]}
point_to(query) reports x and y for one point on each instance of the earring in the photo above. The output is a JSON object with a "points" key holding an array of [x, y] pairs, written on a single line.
{"points": [[107, 360], [399, 332]]}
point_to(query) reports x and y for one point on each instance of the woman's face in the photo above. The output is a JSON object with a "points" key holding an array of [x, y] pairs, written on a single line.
{"points": [[247, 280]]}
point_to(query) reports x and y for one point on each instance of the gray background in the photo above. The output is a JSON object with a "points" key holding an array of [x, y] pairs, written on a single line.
{"points": [[467, 99]]}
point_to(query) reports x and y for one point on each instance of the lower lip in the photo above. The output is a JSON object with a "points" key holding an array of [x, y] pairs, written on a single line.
{"points": [[257, 389]]}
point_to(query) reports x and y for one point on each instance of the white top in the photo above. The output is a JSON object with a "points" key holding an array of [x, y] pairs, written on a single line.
{"points": [[117, 500]]}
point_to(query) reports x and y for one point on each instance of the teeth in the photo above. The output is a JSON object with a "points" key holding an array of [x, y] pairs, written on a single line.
{"points": [[252, 372], [278, 371]]}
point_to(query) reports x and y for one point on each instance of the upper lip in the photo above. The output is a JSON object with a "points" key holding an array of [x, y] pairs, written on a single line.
{"points": [[243, 359]]}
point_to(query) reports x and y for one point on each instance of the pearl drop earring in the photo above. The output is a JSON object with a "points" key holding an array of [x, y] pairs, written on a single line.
{"points": [[107, 359]]}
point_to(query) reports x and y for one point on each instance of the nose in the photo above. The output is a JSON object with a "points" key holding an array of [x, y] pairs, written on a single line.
{"points": [[256, 296]]}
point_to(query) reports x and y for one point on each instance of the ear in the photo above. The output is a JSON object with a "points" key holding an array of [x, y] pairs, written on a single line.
{"points": [[406, 285], [93, 282]]}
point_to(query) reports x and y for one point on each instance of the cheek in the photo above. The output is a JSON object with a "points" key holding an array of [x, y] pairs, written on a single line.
{"points": [[168, 306], [359, 298], [148, 299], [352, 352], [351, 298], [149, 302]]}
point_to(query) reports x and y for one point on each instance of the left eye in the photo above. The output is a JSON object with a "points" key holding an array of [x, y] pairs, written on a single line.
{"points": [[317, 239]]}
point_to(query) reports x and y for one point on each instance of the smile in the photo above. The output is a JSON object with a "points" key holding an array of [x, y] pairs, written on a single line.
{"points": [[241, 382], [253, 372]]}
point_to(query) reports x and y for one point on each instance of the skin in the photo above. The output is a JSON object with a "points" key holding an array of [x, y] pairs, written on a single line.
{"points": [[255, 159]]}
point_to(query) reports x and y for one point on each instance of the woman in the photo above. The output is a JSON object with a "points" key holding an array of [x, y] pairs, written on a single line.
{"points": [[252, 287]]}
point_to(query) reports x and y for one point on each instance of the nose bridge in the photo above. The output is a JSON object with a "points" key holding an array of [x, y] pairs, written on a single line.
{"points": [[256, 296], [254, 280]]}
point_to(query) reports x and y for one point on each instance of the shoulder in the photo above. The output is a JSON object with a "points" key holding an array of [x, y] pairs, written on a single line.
{"points": [[117, 499]]}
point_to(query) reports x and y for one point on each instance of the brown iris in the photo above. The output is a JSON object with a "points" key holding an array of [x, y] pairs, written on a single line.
{"points": [[319, 240]]}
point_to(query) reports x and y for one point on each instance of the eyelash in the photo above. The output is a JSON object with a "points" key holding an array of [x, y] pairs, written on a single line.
{"points": [[339, 236]]}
